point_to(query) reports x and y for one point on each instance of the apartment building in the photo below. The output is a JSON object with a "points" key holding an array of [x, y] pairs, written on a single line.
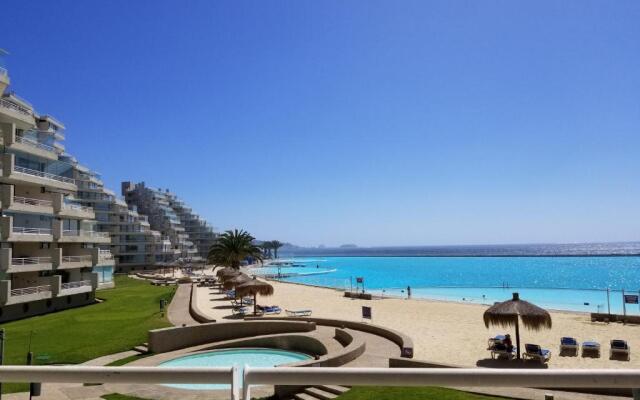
{"points": [[49, 242], [171, 217]]}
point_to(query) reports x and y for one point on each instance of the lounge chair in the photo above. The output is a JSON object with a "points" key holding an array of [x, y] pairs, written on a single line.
{"points": [[499, 350], [569, 345], [535, 352], [298, 313], [270, 310], [591, 347], [498, 339], [620, 348], [239, 310]]}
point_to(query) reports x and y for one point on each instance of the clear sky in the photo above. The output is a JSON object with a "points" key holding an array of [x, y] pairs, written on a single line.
{"points": [[367, 122]]}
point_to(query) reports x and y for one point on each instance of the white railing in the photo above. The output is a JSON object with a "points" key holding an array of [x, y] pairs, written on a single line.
{"points": [[78, 207], [12, 106], [3, 71], [76, 232], [310, 376], [19, 261], [23, 140], [30, 290], [105, 255], [72, 285], [32, 202], [21, 230], [76, 258], [44, 175]]}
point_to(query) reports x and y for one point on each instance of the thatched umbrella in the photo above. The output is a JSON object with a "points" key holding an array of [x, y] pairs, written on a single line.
{"points": [[235, 281], [254, 287], [508, 313], [227, 273]]}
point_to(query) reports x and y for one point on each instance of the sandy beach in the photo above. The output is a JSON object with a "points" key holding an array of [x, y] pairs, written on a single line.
{"points": [[445, 332]]}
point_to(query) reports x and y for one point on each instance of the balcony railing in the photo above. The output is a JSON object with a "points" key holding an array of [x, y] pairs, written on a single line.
{"points": [[14, 107], [21, 230], [30, 290], [44, 175], [68, 259], [71, 285], [311, 376], [105, 255], [20, 261], [76, 232], [32, 202], [33, 143], [77, 207]]}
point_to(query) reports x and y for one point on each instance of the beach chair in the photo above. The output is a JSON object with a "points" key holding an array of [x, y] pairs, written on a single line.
{"points": [[270, 310], [497, 339], [591, 348], [499, 350], [298, 313], [535, 352], [239, 310], [620, 348], [569, 345]]}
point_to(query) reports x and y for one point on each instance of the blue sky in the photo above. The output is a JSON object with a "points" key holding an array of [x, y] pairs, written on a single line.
{"points": [[375, 123]]}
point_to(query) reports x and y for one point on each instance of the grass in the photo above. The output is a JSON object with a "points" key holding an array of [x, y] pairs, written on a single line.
{"points": [[410, 393], [81, 334]]}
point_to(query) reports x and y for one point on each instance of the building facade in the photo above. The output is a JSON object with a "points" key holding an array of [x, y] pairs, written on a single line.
{"points": [[49, 241]]}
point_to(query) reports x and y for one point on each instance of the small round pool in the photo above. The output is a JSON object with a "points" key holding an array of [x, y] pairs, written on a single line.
{"points": [[253, 357]]}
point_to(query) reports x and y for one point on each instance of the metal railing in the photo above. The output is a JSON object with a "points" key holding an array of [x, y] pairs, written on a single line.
{"points": [[44, 175], [22, 230], [30, 290], [105, 255], [20, 261], [72, 285], [310, 376], [42, 146], [76, 258], [32, 202], [76, 232], [15, 107], [78, 207]]}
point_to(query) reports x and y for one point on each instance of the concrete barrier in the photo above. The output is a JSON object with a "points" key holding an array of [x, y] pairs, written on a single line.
{"points": [[169, 339], [403, 341], [627, 319], [194, 310]]}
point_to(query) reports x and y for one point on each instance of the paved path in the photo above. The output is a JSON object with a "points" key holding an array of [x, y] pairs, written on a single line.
{"points": [[178, 312]]}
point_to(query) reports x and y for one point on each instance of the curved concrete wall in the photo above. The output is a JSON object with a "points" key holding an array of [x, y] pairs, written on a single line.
{"points": [[194, 310], [293, 342], [168, 339], [403, 341]]}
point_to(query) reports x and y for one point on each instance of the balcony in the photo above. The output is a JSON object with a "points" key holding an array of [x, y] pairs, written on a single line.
{"points": [[17, 112], [44, 175], [27, 264], [23, 175], [105, 257], [27, 234], [10, 296], [32, 147], [70, 288], [77, 261], [76, 211], [82, 236], [26, 204]]}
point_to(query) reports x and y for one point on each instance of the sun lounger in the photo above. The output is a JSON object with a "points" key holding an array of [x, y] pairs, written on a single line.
{"points": [[498, 339], [535, 352], [569, 344], [591, 347], [239, 310], [273, 310], [499, 350], [620, 347], [298, 313]]}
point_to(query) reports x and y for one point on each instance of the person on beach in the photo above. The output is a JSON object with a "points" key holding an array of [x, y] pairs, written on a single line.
{"points": [[408, 292], [508, 344]]}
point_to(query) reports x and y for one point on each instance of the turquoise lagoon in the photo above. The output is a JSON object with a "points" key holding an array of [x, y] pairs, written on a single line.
{"points": [[561, 283]]}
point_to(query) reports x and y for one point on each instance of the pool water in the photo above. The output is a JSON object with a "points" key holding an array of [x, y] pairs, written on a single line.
{"points": [[253, 357]]}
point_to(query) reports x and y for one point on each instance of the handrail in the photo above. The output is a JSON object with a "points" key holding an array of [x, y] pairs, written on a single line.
{"points": [[32, 202], [77, 284], [45, 175], [30, 290], [23, 140], [79, 207], [21, 230], [16, 261], [105, 255], [80, 232], [15, 107], [76, 258]]}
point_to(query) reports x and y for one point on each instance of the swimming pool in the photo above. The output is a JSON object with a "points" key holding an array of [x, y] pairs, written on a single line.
{"points": [[253, 357]]}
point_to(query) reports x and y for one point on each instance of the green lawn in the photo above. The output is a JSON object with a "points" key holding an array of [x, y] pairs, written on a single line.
{"points": [[410, 393], [80, 334]]}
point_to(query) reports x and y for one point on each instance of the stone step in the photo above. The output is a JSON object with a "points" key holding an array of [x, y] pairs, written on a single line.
{"points": [[320, 394], [141, 349], [335, 389], [304, 396]]}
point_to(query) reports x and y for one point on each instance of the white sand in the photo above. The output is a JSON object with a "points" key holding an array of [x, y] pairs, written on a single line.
{"points": [[446, 332]]}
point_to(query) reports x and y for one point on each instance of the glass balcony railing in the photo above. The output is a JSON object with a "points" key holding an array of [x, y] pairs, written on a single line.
{"points": [[15, 107], [21, 230], [33, 143], [44, 175], [32, 202]]}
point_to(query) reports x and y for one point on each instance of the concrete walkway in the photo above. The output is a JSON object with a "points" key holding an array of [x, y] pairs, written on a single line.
{"points": [[178, 312]]}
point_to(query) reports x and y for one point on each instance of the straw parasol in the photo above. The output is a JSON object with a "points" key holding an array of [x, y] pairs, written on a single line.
{"points": [[508, 313], [227, 273], [235, 281], [254, 287]]}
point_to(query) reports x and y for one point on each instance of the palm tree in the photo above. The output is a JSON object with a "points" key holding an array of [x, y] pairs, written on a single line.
{"points": [[232, 247], [266, 248], [275, 245]]}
